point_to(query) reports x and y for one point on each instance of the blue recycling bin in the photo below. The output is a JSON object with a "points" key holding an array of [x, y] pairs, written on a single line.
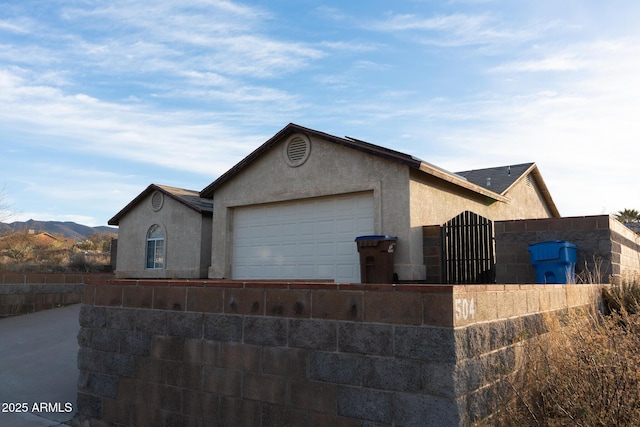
{"points": [[554, 262]]}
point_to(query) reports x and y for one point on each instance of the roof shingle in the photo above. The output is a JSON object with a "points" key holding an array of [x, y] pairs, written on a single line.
{"points": [[498, 179]]}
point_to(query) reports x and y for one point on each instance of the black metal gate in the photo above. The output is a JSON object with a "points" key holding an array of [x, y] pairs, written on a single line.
{"points": [[468, 254]]}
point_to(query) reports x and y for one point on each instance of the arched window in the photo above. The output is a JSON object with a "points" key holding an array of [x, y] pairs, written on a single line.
{"points": [[155, 247]]}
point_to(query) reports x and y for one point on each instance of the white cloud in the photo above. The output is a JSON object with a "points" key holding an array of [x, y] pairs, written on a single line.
{"points": [[194, 85], [12, 27], [557, 63], [122, 131], [453, 29]]}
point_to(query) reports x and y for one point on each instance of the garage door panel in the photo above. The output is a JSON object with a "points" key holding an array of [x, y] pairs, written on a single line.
{"points": [[344, 248], [307, 271], [344, 272], [273, 230], [290, 230], [326, 270], [364, 226], [325, 227], [310, 239], [270, 270], [306, 228], [289, 250], [326, 249], [306, 250], [344, 225]]}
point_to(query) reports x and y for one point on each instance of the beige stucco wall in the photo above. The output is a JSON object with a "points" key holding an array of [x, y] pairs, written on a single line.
{"points": [[187, 241], [404, 199], [434, 202], [331, 169], [526, 203]]}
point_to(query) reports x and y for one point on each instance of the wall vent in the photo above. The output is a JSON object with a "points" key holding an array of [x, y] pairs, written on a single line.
{"points": [[297, 150], [157, 200]]}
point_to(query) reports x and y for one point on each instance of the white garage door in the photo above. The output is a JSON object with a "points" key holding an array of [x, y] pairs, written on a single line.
{"points": [[309, 239]]}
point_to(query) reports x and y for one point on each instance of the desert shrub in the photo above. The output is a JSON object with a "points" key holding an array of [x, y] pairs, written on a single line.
{"points": [[586, 373], [624, 297], [89, 262]]}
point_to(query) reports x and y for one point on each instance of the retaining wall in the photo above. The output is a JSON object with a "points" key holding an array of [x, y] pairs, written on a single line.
{"points": [[608, 251], [164, 353], [22, 293]]}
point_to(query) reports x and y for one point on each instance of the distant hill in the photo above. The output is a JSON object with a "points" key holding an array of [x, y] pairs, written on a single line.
{"points": [[67, 229]]}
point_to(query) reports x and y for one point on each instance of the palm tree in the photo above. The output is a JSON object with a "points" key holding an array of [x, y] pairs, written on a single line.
{"points": [[628, 215]]}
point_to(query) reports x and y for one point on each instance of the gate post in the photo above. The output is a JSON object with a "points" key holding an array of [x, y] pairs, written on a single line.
{"points": [[432, 253]]}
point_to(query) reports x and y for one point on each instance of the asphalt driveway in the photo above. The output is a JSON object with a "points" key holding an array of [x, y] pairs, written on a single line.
{"points": [[38, 370]]}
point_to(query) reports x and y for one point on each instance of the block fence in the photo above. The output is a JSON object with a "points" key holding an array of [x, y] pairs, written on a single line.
{"points": [[608, 252], [224, 353], [22, 293]]}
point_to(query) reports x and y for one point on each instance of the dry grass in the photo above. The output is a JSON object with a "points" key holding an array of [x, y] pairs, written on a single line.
{"points": [[586, 373], [23, 251]]}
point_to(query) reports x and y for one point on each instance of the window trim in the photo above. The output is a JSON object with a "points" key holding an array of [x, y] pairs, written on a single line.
{"points": [[155, 248]]}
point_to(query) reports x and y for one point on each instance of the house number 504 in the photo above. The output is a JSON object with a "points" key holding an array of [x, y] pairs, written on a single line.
{"points": [[465, 309]]}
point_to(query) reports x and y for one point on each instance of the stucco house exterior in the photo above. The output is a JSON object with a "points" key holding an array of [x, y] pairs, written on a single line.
{"points": [[165, 232], [292, 208]]}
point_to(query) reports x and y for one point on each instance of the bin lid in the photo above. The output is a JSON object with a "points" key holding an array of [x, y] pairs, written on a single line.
{"points": [[555, 243], [376, 237], [542, 251]]}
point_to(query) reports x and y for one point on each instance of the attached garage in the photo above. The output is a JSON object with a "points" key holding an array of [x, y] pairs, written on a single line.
{"points": [[302, 239]]}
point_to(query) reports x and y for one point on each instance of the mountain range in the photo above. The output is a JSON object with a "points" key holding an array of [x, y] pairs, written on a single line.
{"points": [[67, 229]]}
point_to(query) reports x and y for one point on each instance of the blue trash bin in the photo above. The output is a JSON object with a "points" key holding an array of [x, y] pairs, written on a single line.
{"points": [[554, 262]]}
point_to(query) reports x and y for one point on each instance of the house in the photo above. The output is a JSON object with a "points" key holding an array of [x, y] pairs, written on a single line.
{"points": [[292, 208], [165, 232]]}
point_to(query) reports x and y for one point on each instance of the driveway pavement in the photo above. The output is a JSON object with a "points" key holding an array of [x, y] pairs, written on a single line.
{"points": [[38, 370]]}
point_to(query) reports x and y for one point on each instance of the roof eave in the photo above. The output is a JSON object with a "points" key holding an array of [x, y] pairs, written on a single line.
{"points": [[542, 187], [115, 220], [546, 194], [453, 179], [292, 128]]}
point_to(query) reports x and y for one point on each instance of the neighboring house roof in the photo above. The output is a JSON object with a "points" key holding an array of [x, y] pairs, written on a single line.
{"points": [[356, 144], [502, 178], [189, 198]]}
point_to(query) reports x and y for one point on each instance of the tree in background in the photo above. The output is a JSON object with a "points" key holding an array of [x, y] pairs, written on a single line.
{"points": [[628, 215], [18, 246]]}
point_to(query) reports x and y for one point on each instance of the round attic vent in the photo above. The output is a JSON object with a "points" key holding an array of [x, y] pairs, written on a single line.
{"points": [[157, 200], [297, 150]]}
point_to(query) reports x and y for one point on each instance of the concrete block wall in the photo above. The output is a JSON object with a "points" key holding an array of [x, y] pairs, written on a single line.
{"points": [[262, 354], [605, 248], [489, 336], [22, 293], [271, 354], [608, 252], [432, 251], [625, 252]]}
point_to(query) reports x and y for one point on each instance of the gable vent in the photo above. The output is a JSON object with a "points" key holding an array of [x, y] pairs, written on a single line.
{"points": [[297, 150], [157, 200]]}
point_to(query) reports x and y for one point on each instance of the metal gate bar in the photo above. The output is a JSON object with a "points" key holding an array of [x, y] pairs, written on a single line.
{"points": [[468, 254]]}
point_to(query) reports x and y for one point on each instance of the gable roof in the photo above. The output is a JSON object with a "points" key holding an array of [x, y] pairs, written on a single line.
{"points": [[502, 178], [189, 198], [356, 144]]}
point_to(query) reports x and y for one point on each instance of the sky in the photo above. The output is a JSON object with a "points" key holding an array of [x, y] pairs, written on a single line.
{"points": [[100, 99]]}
